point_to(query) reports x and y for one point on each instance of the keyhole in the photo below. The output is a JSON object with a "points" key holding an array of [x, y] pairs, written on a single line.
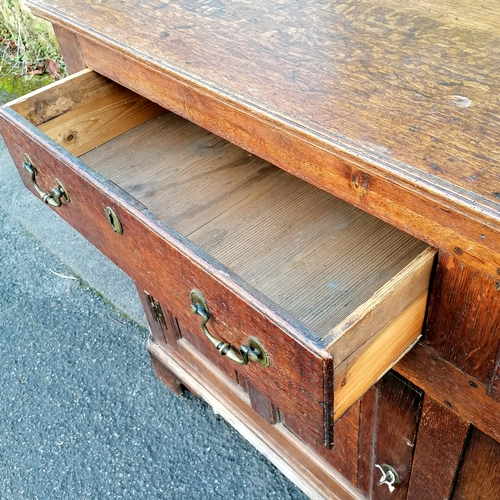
{"points": [[113, 220]]}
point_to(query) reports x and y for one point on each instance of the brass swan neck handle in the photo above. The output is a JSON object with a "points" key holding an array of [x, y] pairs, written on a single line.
{"points": [[254, 352]]}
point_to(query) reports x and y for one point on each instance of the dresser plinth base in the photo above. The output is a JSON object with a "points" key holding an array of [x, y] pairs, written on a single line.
{"points": [[293, 458]]}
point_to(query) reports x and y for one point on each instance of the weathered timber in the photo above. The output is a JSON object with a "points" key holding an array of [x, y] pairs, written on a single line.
{"points": [[438, 453], [70, 49], [458, 391], [341, 130], [462, 324], [398, 414], [479, 477]]}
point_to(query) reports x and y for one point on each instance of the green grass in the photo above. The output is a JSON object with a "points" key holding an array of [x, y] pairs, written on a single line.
{"points": [[27, 44]]}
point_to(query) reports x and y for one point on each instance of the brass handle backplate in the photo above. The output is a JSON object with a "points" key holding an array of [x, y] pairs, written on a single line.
{"points": [[54, 197], [254, 351]]}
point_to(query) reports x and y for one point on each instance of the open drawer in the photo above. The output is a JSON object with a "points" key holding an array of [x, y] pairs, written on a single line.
{"points": [[319, 297]]}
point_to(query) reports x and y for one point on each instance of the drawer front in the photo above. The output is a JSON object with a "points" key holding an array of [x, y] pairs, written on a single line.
{"points": [[299, 378]]}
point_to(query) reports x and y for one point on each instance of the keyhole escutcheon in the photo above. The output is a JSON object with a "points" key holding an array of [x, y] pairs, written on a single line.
{"points": [[113, 220]]}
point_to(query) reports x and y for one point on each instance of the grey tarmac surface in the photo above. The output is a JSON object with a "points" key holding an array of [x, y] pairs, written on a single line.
{"points": [[82, 415]]}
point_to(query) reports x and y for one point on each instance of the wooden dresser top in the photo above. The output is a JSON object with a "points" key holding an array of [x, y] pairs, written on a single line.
{"points": [[397, 104]]}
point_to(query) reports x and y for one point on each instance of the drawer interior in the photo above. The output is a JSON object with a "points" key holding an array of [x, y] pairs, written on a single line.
{"points": [[320, 259], [314, 255]]}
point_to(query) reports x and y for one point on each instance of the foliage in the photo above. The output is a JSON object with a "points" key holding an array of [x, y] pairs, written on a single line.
{"points": [[27, 45]]}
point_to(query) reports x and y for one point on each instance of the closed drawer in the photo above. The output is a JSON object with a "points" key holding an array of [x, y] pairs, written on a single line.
{"points": [[334, 296]]}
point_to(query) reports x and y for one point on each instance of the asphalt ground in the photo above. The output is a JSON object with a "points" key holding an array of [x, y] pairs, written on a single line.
{"points": [[82, 415]]}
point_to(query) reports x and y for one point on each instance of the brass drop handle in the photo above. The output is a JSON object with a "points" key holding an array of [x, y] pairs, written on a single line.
{"points": [[254, 351], [54, 197]]}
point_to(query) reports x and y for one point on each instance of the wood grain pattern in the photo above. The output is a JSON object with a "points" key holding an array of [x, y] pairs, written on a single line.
{"points": [[314, 255], [408, 286], [62, 96], [438, 453], [300, 377], [340, 129], [262, 405], [241, 194], [328, 265], [84, 110], [99, 120], [494, 386], [70, 49], [368, 422], [461, 393], [392, 107], [399, 411], [479, 477], [462, 324], [344, 456], [294, 61], [355, 376]]}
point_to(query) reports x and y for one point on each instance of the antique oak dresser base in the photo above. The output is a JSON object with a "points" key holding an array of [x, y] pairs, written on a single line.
{"points": [[308, 471], [194, 220]]}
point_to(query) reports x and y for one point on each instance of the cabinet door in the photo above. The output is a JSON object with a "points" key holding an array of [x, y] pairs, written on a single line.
{"points": [[436, 454], [440, 443], [381, 430], [479, 476], [395, 420]]}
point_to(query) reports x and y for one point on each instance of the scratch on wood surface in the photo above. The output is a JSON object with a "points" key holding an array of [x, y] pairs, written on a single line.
{"points": [[461, 101]]}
